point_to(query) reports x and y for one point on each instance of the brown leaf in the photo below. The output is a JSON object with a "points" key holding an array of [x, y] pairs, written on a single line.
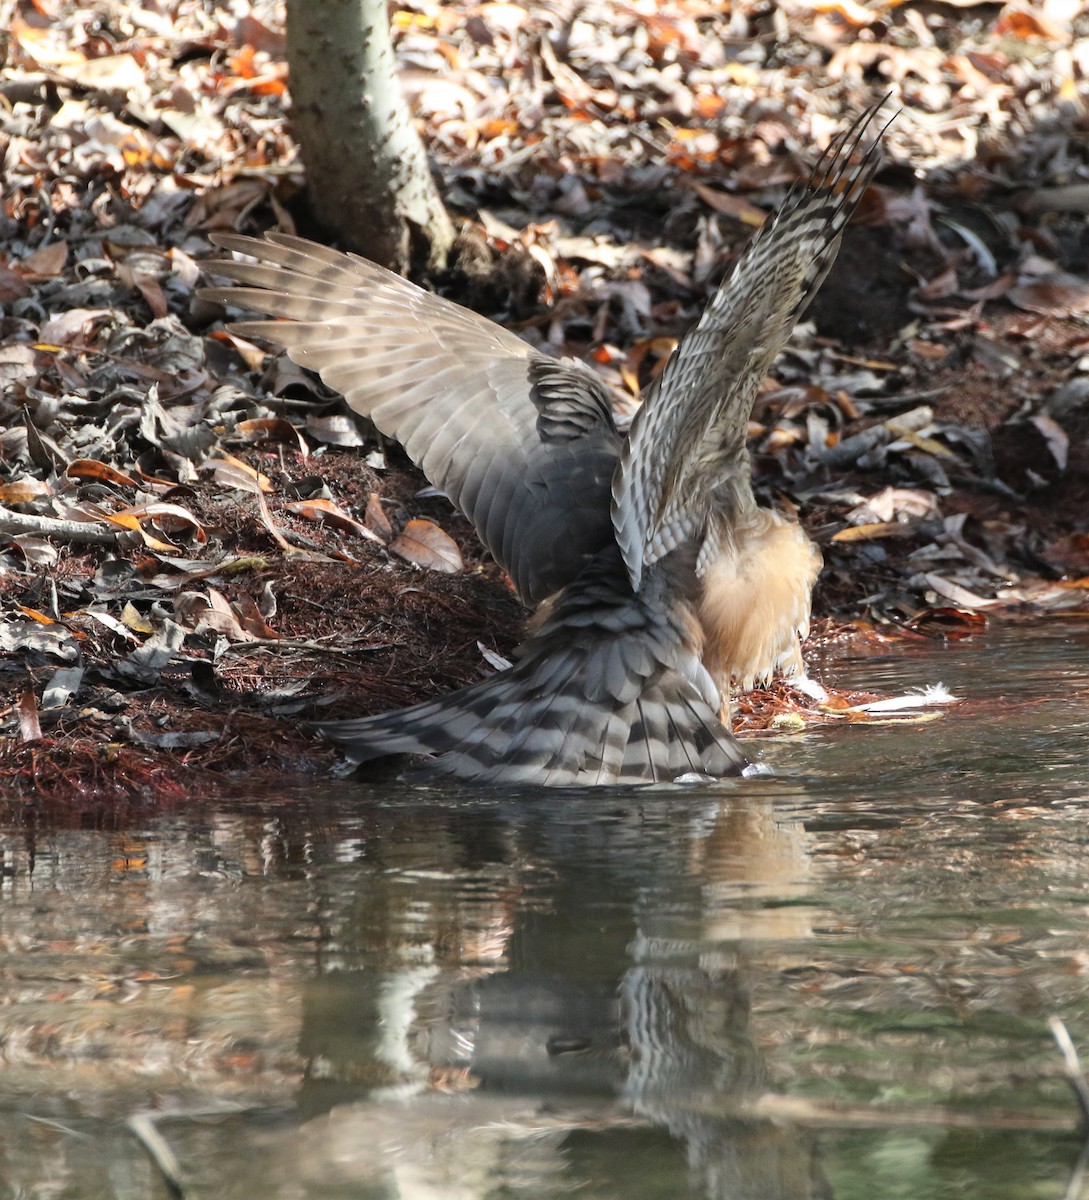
{"points": [[1053, 296], [35, 615], [210, 614], [1020, 23], [91, 468], [235, 473], [45, 262], [22, 491], [170, 516], [252, 355], [424, 544], [943, 284], [1056, 437], [12, 285], [30, 729], [127, 520], [1068, 554], [376, 519], [146, 284], [274, 529], [872, 531], [331, 514], [252, 620], [249, 31], [335, 430], [71, 326], [729, 205], [273, 428]]}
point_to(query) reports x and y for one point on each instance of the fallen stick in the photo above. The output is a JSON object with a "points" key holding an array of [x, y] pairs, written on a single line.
{"points": [[69, 531]]}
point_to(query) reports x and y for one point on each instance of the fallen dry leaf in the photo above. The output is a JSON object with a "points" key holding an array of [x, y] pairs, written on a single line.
{"points": [[1057, 295], [90, 468], [424, 544], [234, 472], [44, 263], [30, 729], [332, 514], [22, 491], [376, 519]]}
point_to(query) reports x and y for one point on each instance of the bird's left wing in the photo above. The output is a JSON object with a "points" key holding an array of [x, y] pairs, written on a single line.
{"points": [[522, 443], [699, 414]]}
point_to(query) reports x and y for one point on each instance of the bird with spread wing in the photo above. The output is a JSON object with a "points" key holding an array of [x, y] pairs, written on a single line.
{"points": [[661, 581]]}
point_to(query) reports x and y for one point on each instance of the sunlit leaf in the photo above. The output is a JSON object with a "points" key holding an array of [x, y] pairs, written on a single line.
{"points": [[90, 468], [35, 615], [424, 544], [235, 473], [22, 491], [332, 514]]}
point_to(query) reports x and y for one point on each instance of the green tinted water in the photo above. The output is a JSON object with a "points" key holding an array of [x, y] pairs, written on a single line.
{"points": [[363, 992]]}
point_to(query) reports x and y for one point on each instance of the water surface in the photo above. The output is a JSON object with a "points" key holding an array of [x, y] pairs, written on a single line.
{"points": [[366, 991]]}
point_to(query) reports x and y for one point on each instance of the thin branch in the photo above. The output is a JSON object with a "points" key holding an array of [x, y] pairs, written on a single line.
{"points": [[68, 531]]}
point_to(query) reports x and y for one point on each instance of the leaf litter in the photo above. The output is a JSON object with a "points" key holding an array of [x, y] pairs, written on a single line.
{"points": [[197, 540]]}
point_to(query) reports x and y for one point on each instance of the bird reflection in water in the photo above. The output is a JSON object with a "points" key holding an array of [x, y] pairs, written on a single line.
{"points": [[555, 1008]]}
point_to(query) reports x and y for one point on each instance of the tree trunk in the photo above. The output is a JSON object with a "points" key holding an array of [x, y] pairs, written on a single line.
{"points": [[367, 171]]}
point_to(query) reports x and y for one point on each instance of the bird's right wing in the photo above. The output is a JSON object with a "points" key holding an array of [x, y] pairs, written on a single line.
{"points": [[697, 418], [523, 444]]}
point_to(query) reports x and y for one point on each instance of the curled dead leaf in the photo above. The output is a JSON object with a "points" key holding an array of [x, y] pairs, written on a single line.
{"points": [[45, 263], [729, 204], [91, 468], [273, 429], [332, 514], [334, 430], [1068, 554], [873, 531], [234, 472]]}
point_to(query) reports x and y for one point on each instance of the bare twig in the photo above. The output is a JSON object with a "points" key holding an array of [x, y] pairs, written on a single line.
{"points": [[68, 531]]}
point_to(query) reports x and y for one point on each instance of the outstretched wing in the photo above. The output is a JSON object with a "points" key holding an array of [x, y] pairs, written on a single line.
{"points": [[696, 420], [523, 444]]}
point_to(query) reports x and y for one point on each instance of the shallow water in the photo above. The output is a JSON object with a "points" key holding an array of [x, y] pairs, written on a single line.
{"points": [[415, 993]]}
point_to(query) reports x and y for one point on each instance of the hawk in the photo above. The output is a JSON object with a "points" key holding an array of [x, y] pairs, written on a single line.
{"points": [[659, 579]]}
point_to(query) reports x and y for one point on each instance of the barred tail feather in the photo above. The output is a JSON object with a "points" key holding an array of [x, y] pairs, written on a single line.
{"points": [[609, 690]]}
